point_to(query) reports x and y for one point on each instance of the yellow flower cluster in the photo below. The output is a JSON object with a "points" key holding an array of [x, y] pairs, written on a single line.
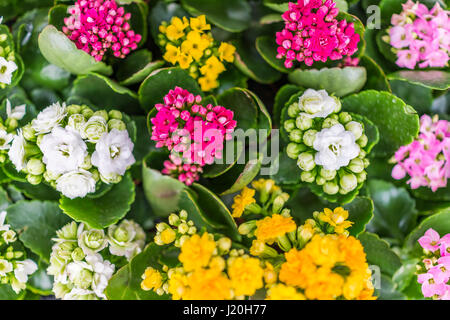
{"points": [[329, 267], [270, 228], [337, 219], [188, 43]]}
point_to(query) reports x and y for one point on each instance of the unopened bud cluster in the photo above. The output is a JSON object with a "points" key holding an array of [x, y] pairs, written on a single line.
{"points": [[176, 231]]}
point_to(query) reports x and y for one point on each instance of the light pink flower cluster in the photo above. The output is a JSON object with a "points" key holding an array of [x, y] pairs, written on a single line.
{"points": [[194, 134], [421, 36], [312, 33], [98, 25], [427, 159], [436, 280]]}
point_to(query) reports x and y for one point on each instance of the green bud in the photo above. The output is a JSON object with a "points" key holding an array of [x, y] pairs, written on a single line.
{"points": [[73, 109], [160, 227], [94, 128], [289, 125], [327, 174], [224, 244], [18, 254], [356, 165], [35, 166], [9, 236], [116, 124], [29, 133], [366, 162], [68, 232], [361, 177], [278, 204], [174, 220], [115, 114], [309, 137], [308, 176], [192, 230], [293, 110], [60, 290], [64, 250], [329, 122], [83, 279], [296, 135], [362, 154], [305, 161], [338, 104], [348, 182], [76, 121], [11, 124], [95, 174], [39, 139], [49, 176], [87, 164], [78, 254], [320, 180], [284, 243], [247, 227], [92, 240], [2, 158], [330, 187], [345, 117], [183, 228], [293, 150], [111, 178], [253, 208], [356, 128], [362, 141], [183, 214], [34, 179], [101, 113], [303, 122], [87, 112]]}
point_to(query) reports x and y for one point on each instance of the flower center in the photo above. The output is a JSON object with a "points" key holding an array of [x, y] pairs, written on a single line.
{"points": [[114, 151], [64, 149], [335, 148], [3, 69]]}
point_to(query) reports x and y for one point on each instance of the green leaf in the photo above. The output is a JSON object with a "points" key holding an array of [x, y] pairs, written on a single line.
{"points": [[62, 52], [159, 82], [125, 284], [282, 97], [136, 67], [433, 79], [7, 293], [417, 96], [440, 222], [105, 93], [288, 172], [379, 254], [40, 282], [398, 129], [215, 210], [37, 223], [164, 11], [394, 213], [267, 48], [441, 194], [277, 5], [143, 145], [340, 81], [241, 102], [376, 78], [360, 213], [388, 290], [41, 191], [162, 191], [230, 15], [103, 211]]}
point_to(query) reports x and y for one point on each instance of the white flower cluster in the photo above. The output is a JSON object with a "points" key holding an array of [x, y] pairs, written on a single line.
{"points": [[7, 61], [13, 268], [327, 144], [72, 148], [8, 126], [77, 260]]}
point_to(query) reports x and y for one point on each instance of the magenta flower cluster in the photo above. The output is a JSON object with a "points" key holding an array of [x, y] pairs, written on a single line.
{"points": [[97, 26], [194, 134], [436, 280], [427, 159], [421, 36], [312, 33]]}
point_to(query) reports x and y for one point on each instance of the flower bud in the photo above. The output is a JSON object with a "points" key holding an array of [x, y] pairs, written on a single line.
{"points": [[345, 117], [68, 232], [28, 132], [73, 109], [168, 236], [304, 234], [183, 239], [2, 158], [356, 165], [329, 122], [293, 110], [293, 150], [174, 220], [183, 214], [247, 227], [309, 137], [327, 174], [34, 179], [305, 161], [320, 180], [361, 177], [64, 250], [111, 178], [60, 290], [76, 121], [95, 174], [86, 165], [192, 230], [116, 124], [115, 114], [366, 162], [50, 176], [308, 176], [160, 227], [362, 141], [83, 278], [224, 244], [289, 125], [303, 122], [356, 128], [92, 241], [86, 112], [78, 254], [9, 236], [348, 182], [338, 104], [284, 243], [260, 249], [296, 135], [330, 187], [183, 228], [101, 113], [35, 166], [94, 129], [11, 124], [278, 204], [362, 154]]}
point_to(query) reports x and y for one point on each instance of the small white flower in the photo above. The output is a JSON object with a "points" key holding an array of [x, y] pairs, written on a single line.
{"points": [[7, 68], [5, 267], [76, 184], [24, 269], [79, 294], [63, 150], [317, 104], [3, 226], [126, 239], [336, 147], [92, 241], [113, 153], [17, 151], [9, 236], [17, 112], [49, 118], [5, 139], [103, 271]]}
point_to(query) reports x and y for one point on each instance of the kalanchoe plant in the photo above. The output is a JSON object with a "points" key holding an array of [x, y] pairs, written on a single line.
{"points": [[193, 133], [73, 149], [79, 260], [329, 145], [14, 267], [11, 68], [420, 37], [189, 44]]}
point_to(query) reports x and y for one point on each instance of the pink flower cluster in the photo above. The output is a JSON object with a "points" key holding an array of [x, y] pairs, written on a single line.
{"points": [[312, 33], [427, 159], [194, 134], [435, 281], [421, 36], [98, 25]]}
